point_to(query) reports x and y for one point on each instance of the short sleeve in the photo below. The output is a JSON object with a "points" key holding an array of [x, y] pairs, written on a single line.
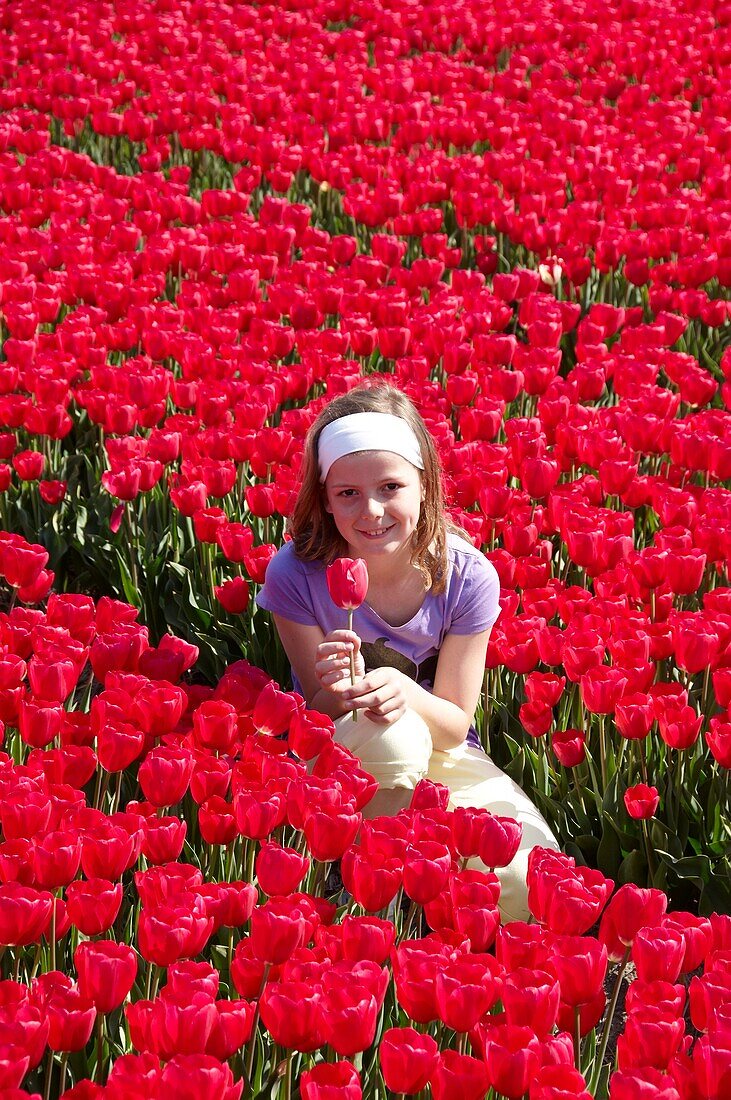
{"points": [[286, 591], [477, 599]]}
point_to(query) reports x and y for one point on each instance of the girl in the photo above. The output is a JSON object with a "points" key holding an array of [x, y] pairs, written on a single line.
{"points": [[372, 488]]}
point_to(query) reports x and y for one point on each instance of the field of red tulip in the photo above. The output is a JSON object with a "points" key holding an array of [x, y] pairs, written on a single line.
{"points": [[214, 217]]}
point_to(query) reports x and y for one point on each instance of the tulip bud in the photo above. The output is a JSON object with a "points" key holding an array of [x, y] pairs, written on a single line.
{"points": [[347, 582]]}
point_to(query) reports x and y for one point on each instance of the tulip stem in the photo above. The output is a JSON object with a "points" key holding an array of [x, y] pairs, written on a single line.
{"points": [[608, 1021], [49, 1076], [288, 1077], [250, 860], [410, 919], [99, 1046], [603, 753], [62, 1082], [53, 933], [577, 1037], [252, 1041], [352, 660], [651, 865]]}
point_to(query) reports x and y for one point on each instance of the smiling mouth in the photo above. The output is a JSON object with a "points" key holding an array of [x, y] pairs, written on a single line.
{"points": [[376, 533]]}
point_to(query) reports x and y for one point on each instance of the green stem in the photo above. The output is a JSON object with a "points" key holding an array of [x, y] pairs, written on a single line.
{"points": [[99, 1046], [49, 1076], [603, 753], [608, 1021], [352, 660], [288, 1077], [252, 1041], [577, 1037], [53, 933], [651, 865]]}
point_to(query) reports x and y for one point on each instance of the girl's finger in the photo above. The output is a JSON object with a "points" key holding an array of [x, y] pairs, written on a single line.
{"points": [[341, 636], [329, 649], [332, 678]]}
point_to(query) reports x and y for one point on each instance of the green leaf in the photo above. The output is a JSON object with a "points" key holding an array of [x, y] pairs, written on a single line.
{"points": [[80, 525], [587, 846], [716, 893], [633, 869], [514, 768], [696, 868], [130, 591], [609, 851]]}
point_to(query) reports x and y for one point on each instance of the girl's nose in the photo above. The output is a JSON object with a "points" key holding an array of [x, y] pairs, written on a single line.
{"points": [[372, 507]]}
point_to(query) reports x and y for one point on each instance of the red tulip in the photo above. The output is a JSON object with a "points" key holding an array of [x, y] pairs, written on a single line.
{"points": [[373, 881], [658, 953], [28, 465], [277, 928], [107, 971], [466, 988], [580, 964], [566, 898], [25, 914], [70, 1016], [231, 1029], [291, 1012], [279, 870], [192, 1076], [639, 1083], [349, 1014], [629, 910], [165, 774], [274, 709], [408, 1059], [641, 801], [512, 1057], [330, 833], [93, 904], [530, 998], [347, 582], [214, 725], [569, 747], [459, 1075], [499, 840], [56, 858], [331, 1081], [650, 1038], [216, 820], [108, 850]]}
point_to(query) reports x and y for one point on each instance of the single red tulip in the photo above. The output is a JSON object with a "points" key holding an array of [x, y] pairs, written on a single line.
{"points": [[641, 801], [347, 582], [107, 971], [408, 1059], [331, 1081]]}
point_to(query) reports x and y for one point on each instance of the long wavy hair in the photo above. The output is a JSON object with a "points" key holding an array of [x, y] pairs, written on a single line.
{"points": [[312, 528]]}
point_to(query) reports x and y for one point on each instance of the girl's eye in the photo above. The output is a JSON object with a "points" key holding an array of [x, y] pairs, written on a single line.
{"points": [[346, 492], [393, 486]]}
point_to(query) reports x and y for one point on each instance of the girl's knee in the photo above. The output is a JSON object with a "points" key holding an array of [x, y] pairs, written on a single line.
{"points": [[397, 756]]}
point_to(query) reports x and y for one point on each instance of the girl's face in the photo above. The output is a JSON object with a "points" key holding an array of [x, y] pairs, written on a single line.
{"points": [[375, 500]]}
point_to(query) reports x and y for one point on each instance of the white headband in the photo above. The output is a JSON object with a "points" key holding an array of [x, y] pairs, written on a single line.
{"points": [[367, 431]]}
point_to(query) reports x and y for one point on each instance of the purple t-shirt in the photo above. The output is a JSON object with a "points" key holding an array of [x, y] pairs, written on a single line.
{"points": [[297, 590]]}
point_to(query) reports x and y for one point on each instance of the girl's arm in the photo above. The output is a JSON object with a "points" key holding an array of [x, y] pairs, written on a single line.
{"points": [[385, 693], [448, 709], [321, 663]]}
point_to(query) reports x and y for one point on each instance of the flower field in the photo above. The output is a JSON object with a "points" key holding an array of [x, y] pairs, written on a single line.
{"points": [[215, 217]]}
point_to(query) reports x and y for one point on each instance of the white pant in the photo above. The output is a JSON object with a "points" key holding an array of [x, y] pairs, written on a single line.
{"points": [[398, 756]]}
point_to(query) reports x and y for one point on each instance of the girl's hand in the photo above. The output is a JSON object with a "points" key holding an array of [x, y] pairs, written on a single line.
{"points": [[383, 695], [332, 661]]}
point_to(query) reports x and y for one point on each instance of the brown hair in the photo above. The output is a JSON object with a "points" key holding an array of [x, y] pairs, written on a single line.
{"points": [[313, 530]]}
